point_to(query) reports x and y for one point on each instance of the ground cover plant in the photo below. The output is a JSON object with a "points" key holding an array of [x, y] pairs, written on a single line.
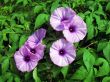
{"points": [[33, 30]]}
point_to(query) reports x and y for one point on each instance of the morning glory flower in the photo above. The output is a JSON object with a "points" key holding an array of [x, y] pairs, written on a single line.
{"points": [[26, 58], [36, 38], [38, 50], [61, 17], [25, 61], [76, 30], [62, 53]]}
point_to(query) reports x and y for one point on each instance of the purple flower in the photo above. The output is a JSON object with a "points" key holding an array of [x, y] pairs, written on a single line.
{"points": [[27, 58], [25, 61], [66, 20], [38, 50], [76, 31], [62, 53], [31, 52], [61, 17], [36, 38]]}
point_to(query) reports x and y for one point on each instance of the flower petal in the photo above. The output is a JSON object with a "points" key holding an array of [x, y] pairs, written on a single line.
{"points": [[80, 30], [61, 17], [36, 38], [67, 58]]}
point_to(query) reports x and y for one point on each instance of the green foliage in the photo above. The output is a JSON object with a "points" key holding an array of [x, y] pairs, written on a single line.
{"points": [[91, 30], [88, 59], [22, 40], [103, 64], [35, 76], [41, 19], [106, 51], [20, 18], [90, 76], [108, 6], [5, 65], [54, 5], [101, 45], [80, 74], [64, 71], [17, 79], [106, 79], [38, 8]]}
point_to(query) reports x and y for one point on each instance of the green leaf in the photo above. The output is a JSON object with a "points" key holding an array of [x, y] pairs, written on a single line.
{"points": [[18, 29], [108, 29], [25, 2], [6, 1], [102, 64], [106, 51], [17, 79], [55, 71], [35, 76], [108, 7], [0, 58], [97, 18], [90, 32], [89, 77], [102, 25], [6, 31], [101, 45], [90, 26], [14, 37], [5, 65], [80, 53], [28, 76], [100, 10], [13, 48], [106, 79], [64, 5], [64, 71], [6, 76], [54, 5], [22, 40], [81, 15], [38, 8], [73, 5], [95, 71], [1, 79], [91, 5], [10, 79], [88, 59], [26, 25], [19, 1], [80, 74], [41, 19]]}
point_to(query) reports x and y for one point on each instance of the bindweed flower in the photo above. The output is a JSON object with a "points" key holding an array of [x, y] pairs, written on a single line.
{"points": [[62, 53], [61, 17], [38, 50], [25, 61], [36, 38], [66, 20], [28, 56], [76, 31]]}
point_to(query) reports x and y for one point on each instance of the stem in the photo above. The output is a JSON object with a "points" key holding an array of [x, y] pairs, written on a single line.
{"points": [[91, 44]]}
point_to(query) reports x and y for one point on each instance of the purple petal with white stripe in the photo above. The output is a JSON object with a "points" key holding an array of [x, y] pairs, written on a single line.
{"points": [[62, 53], [61, 17], [36, 38], [76, 31]]}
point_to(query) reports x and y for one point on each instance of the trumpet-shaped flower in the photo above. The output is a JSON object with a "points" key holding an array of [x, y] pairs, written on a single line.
{"points": [[62, 53], [76, 31], [61, 17]]}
